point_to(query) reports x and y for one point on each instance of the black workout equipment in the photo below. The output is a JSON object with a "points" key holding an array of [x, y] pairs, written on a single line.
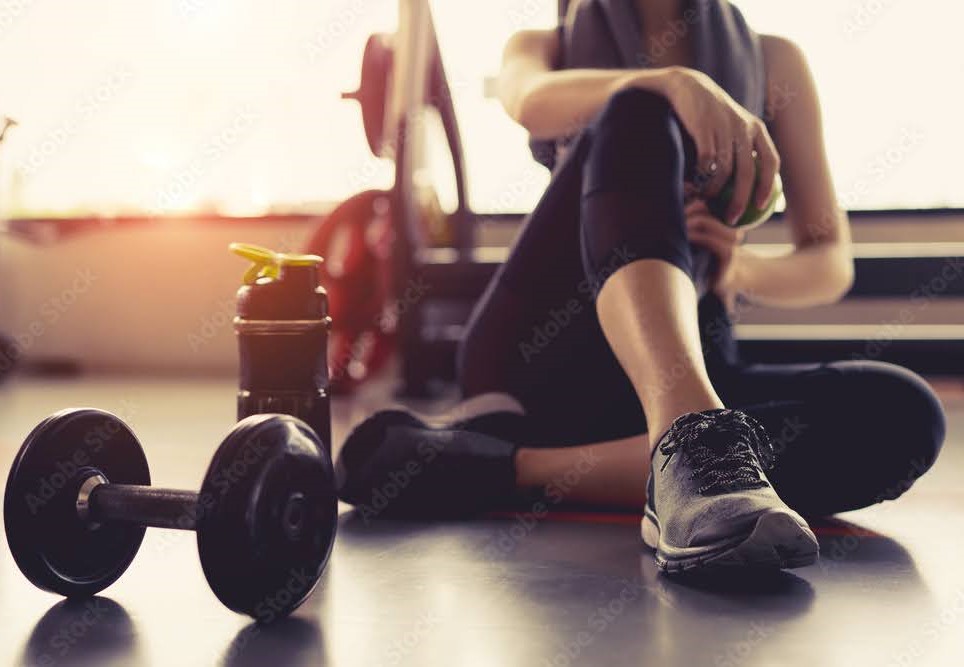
{"points": [[402, 76], [356, 238], [78, 500], [373, 89]]}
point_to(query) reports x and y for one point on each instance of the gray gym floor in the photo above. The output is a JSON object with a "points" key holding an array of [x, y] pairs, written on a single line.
{"points": [[565, 590]]}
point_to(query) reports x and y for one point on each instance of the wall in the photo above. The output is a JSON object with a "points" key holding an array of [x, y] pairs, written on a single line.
{"points": [[140, 297]]}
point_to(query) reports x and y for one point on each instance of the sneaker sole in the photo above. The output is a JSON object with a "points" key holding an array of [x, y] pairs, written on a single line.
{"points": [[777, 541]]}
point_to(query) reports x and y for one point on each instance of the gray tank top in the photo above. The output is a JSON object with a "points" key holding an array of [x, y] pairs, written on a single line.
{"points": [[608, 34]]}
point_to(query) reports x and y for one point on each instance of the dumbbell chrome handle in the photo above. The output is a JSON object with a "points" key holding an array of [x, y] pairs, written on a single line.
{"points": [[100, 501]]}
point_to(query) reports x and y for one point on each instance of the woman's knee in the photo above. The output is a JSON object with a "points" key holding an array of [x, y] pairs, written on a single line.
{"points": [[904, 411], [870, 430], [626, 109], [632, 198], [636, 129]]}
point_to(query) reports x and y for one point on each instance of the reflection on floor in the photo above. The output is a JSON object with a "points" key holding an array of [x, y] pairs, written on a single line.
{"points": [[566, 590]]}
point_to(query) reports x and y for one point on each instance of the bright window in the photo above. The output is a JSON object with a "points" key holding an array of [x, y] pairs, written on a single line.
{"points": [[233, 106], [171, 106]]}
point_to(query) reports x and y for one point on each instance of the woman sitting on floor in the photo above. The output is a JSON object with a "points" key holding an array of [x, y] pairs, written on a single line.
{"points": [[638, 397]]}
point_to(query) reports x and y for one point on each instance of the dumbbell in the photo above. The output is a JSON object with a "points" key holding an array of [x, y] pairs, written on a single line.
{"points": [[78, 500]]}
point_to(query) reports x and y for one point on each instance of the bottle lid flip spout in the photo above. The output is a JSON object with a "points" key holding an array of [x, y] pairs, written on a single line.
{"points": [[267, 263]]}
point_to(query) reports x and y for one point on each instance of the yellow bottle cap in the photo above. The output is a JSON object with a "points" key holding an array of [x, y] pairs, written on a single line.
{"points": [[267, 263]]}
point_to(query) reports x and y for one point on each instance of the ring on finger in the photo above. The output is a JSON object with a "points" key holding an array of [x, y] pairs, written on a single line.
{"points": [[706, 174]]}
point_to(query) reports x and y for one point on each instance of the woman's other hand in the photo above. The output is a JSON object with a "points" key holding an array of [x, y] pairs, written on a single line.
{"points": [[722, 240]]}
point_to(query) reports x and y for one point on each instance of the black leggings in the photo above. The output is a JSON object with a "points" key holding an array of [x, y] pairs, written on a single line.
{"points": [[849, 433]]}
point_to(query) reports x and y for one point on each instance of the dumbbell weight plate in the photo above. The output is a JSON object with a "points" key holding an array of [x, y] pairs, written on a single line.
{"points": [[52, 546], [267, 516]]}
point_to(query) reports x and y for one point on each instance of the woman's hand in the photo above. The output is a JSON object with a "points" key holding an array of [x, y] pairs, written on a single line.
{"points": [[727, 139], [722, 240]]}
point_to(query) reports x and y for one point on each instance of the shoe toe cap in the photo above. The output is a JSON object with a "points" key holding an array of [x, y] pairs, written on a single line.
{"points": [[735, 516]]}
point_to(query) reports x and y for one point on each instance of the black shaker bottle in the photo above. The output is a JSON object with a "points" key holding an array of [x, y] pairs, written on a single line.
{"points": [[282, 327]]}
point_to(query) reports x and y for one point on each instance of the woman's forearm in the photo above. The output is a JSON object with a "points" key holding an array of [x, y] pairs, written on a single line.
{"points": [[809, 276], [560, 103]]}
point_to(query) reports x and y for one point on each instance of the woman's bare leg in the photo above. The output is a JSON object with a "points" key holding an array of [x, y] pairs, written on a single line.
{"points": [[605, 474], [648, 311]]}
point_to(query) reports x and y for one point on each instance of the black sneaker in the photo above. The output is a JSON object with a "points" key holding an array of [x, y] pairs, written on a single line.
{"points": [[394, 464], [710, 504]]}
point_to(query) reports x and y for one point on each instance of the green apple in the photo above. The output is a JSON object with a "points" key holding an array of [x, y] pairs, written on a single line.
{"points": [[753, 216]]}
